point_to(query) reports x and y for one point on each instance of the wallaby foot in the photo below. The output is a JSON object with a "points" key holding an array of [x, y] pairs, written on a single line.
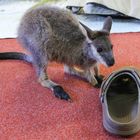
{"points": [[60, 93], [57, 89]]}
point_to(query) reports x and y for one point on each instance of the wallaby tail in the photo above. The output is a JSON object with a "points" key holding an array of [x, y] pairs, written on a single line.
{"points": [[15, 56]]}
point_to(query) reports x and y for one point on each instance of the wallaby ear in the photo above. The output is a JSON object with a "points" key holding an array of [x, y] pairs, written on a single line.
{"points": [[107, 24], [94, 34], [89, 31]]}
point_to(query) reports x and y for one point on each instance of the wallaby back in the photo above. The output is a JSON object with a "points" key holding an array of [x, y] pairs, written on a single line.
{"points": [[56, 32]]}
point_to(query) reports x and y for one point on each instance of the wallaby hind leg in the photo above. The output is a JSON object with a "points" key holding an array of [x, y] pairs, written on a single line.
{"points": [[86, 74], [57, 89], [41, 64]]}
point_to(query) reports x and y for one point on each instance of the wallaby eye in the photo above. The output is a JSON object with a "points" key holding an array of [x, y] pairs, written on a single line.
{"points": [[99, 50]]}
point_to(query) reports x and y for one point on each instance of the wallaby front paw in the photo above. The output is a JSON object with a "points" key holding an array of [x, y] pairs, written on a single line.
{"points": [[60, 93], [100, 80], [98, 85]]}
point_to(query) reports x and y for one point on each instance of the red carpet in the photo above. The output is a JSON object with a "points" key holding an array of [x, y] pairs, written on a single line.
{"points": [[30, 112]]}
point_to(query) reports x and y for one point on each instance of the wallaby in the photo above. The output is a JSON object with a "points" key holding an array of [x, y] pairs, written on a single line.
{"points": [[54, 34]]}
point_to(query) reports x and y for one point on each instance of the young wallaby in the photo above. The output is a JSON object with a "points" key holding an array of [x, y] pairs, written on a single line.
{"points": [[53, 34]]}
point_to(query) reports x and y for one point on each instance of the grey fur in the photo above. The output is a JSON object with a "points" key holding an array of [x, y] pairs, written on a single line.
{"points": [[53, 34]]}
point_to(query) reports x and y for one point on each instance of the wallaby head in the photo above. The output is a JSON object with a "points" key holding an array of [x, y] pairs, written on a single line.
{"points": [[99, 46]]}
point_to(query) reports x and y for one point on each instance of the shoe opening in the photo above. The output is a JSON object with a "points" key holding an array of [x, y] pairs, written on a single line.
{"points": [[122, 98]]}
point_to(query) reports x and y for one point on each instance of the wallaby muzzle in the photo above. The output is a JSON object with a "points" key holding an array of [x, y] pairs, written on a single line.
{"points": [[110, 62]]}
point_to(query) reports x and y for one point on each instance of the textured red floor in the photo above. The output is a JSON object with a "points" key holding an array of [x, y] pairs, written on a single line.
{"points": [[30, 112]]}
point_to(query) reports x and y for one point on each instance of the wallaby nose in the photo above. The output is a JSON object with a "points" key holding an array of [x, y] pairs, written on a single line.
{"points": [[111, 62]]}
